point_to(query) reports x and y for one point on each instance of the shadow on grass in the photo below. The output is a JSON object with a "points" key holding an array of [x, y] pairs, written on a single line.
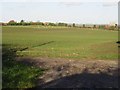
{"points": [[118, 42], [19, 75], [8, 54], [16, 74], [23, 49]]}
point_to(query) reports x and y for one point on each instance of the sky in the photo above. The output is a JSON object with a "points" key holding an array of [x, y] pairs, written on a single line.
{"points": [[68, 12]]}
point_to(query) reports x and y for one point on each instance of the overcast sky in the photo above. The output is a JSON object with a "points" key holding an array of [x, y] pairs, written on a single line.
{"points": [[69, 12]]}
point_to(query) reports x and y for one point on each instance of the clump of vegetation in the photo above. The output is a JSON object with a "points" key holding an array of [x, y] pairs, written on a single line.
{"points": [[111, 28], [16, 74]]}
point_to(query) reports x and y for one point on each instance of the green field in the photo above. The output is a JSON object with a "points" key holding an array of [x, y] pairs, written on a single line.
{"points": [[62, 42]]}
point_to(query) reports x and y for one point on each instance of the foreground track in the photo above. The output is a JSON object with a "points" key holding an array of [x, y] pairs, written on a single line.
{"points": [[62, 73]]}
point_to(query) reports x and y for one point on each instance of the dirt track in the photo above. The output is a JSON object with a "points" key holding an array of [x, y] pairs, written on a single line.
{"points": [[64, 73]]}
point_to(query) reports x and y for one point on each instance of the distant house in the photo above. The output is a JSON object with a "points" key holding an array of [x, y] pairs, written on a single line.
{"points": [[69, 24], [11, 21], [3, 24], [107, 26], [89, 25], [46, 23], [112, 24]]}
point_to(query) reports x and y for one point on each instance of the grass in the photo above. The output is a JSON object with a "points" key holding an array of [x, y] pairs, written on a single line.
{"points": [[51, 42], [75, 43], [16, 74]]}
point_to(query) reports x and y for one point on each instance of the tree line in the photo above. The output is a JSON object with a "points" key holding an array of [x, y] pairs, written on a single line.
{"points": [[23, 23]]}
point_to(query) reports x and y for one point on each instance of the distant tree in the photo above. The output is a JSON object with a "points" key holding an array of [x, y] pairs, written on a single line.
{"points": [[18, 23], [112, 28], [94, 26], [38, 23], [62, 24], [115, 25], [27, 23], [22, 21], [31, 22], [52, 24], [73, 24], [102, 26], [83, 25], [41, 23]]}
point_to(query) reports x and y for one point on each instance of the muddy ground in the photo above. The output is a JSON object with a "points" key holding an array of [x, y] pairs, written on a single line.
{"points": [[68, 73]]}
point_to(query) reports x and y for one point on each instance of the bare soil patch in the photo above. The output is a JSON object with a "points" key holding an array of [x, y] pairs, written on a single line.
{"points": [[67, 73]]}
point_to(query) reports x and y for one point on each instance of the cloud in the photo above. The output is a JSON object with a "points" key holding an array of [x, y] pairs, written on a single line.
{"points": [[109, 4], [13, 0], [71, 3]]}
